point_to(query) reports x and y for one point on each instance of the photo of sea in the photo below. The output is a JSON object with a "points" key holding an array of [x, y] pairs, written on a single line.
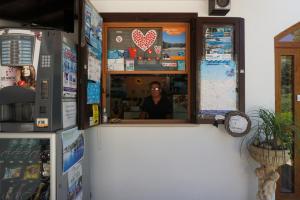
{"points": [[73, 148], [174, 43], [219, 43]]}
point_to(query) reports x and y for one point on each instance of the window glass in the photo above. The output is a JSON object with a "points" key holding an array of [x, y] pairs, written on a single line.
{"points": [[128, 94], [291, 37], [287, 171]]}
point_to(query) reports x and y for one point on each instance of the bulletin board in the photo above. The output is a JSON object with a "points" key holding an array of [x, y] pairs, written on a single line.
{"points": [[146, 48], [218, 71]]}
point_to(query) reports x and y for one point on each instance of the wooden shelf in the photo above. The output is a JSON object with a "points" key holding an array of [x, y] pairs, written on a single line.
{"points": [[146, 72]]}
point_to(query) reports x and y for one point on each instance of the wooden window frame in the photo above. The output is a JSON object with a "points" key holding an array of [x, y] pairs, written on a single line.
{"points": [[287, 48], [239, 54], [113, 20], [195, 52]]}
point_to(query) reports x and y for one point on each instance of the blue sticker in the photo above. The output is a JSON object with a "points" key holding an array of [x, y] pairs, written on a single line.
{"points": [[93, 93], [181, 65], [115, 54]]}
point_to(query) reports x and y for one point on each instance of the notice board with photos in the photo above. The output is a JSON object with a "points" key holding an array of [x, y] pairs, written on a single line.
{"points": [[152, 47], [220, 70]]}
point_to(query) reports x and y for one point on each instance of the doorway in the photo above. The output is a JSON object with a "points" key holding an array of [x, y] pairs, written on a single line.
{"points": [[287, 101]]}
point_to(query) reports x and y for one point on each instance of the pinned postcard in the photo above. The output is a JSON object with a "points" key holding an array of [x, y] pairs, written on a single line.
{"points": [[93, 92], [219, 43], [94, 64], [73, 148], [115, 64], [174, 43], [75, 183], [70, 71], [129, 64]]}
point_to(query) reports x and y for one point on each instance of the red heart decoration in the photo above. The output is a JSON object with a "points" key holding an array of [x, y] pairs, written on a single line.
{"points": [[142, 41]]}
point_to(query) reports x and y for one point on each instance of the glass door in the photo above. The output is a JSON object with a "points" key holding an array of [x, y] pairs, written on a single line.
{"points": [[287, 81]]}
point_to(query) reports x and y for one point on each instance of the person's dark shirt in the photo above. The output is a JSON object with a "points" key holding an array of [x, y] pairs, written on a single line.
{"points": [[157, 111]]}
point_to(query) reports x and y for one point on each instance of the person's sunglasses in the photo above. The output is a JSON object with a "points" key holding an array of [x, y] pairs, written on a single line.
{"points": [[155, 89]]}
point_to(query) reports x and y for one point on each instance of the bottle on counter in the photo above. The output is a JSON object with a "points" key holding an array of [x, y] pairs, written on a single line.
{"points": [[104, 116]]}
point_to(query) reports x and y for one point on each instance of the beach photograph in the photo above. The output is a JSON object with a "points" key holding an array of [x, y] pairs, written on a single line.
{"points": [[174, 43], [73, 148]]}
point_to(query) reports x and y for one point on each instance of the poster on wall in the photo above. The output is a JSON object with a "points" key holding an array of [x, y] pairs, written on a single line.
{"points": [[75, 183], [174, 47], [94, 64], [73, 148], [19, 56], [7, 76], [69, 71], [93, 25], [69, 113], [94, 119], [218, 43], [17, 50], [217, 87], [93, 92]]}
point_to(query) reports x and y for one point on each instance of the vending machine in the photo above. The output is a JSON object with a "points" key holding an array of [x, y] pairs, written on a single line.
{"points": [[42, 152], [38, 80]]}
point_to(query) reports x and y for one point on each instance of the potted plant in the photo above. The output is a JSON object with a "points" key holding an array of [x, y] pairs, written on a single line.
{"points": [[271, 145]]}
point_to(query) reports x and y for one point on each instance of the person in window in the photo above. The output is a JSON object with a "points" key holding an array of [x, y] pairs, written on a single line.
{"points": [[156, 106]]}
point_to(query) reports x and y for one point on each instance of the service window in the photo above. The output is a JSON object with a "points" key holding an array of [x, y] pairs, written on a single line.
{"points": [[197, 65], [142, 61]]}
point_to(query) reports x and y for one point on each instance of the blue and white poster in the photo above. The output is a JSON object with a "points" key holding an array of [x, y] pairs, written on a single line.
{"points": [[94, 64], [93, 26], [69, 71], [75, 183], [219, 43], [93, 92], [73, 148], [218, 87]]}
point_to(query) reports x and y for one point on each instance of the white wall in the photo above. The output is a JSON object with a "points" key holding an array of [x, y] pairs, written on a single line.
{"points": [[196, 162]]}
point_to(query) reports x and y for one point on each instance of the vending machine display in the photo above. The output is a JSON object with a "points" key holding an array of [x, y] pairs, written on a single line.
{"points": [[44, 166], [24, 168], [38, 80]]}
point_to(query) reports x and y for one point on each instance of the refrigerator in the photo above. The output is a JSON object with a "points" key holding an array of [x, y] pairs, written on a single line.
{"points": [[44, 165]]}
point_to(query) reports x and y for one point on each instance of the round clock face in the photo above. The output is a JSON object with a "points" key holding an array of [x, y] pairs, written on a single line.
{"points": [[223, 3]]}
